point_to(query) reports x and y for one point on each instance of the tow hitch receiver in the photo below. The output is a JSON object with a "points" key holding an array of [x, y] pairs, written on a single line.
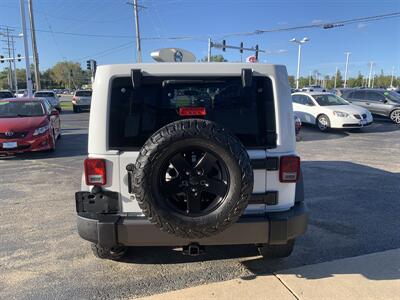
{"points": [[193, 249]]}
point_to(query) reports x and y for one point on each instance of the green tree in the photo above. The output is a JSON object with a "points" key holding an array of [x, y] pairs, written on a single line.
{"points": [[68, 74], [215, 58]]}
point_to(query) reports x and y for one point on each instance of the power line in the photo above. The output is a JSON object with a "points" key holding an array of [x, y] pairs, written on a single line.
{"points": [[204, 37]]}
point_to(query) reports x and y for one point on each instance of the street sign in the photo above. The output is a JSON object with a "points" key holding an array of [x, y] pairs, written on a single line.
{"points": [[252, 59], [173, 55]]}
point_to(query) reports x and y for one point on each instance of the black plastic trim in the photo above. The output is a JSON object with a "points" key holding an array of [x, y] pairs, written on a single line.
{"points": [[269, 163], [268, 198], [273, 228]]}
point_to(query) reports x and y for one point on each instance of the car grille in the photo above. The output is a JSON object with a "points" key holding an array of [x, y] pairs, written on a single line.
{"points": [[357, 117], [364, 116], [14, 135]]}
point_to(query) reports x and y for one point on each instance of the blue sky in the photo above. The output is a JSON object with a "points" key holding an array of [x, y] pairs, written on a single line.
{"points": [[377, 41]]}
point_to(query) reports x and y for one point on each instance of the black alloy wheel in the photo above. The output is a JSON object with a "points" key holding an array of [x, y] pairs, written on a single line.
{"points": [[194, 181]]}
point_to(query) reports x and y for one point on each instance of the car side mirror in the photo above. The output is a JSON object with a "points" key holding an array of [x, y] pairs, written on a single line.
{"points": [[54, 112]]}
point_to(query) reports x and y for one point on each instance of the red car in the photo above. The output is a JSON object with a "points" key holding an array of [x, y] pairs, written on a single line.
{"points": [[28, 124]]}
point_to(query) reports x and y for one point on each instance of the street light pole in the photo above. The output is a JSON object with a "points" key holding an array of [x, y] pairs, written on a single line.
{"points": [[370, 73], [336, 76], [299, 43], [391, 80], [346, 69], [15, 68], [24, 32]]}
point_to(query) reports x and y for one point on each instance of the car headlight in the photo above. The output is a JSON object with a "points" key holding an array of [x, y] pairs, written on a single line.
{"points": [[340, 114], [41, 130]]}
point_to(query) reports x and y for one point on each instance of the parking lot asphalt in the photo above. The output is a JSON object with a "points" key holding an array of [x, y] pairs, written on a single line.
{"points": [[352, 190]]}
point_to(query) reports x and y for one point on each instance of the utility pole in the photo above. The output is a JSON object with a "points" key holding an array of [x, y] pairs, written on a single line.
{"points": [[138, 45], [34, 46], [336, 76], [373, 80], [15, 68], [309, 78], [371, 63], [7, 35], [346, 69], [24, 32], [391, 80], [210, 44]]}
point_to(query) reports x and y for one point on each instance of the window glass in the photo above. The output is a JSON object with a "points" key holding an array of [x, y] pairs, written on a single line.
{"points": [[135, 114], [5, 95], [83, 93], [44, 94], [329, 100], [358, 95], [296, 99], [374, 96]]}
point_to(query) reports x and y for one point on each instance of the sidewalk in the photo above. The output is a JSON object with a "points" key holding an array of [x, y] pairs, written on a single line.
{"points": [[372, 276]]}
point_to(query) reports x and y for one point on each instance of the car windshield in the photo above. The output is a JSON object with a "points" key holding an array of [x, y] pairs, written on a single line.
{"points": [[44, 94], [83, 93], [393, 96], [5, 95], [329, 100], [10, 109]]}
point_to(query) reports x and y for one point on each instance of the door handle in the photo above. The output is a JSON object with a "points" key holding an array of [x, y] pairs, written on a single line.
{"points": [[367, 103]]}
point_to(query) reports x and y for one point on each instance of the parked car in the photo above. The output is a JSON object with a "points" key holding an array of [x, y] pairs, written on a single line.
{"points": [[28, 124], [313, 88], [81, 100], [50, 96], [327, 111], [297, 126], [20, 93], [377, 101], [162, 172], [6, 94]]}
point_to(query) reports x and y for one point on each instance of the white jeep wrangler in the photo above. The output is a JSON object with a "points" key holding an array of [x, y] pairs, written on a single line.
{"points": [[189, 155]]}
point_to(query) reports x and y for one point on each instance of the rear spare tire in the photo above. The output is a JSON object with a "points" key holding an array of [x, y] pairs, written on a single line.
{"points": [[193, 178]]}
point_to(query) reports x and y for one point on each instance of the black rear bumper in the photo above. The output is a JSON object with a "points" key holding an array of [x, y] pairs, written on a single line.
{"points": [[115, 229]]}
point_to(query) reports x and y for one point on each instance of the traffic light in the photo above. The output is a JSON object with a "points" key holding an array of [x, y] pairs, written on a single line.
{"points": [[223, 45], [1, 58], [241, 47], [257, 52], [19, 57], [94, 65], [88, 64]]}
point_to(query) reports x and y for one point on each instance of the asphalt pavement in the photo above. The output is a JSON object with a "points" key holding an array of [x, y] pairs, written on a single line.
{"points": [[352, 190]]}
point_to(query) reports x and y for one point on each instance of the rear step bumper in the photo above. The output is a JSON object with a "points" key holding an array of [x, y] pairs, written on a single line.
{"points": [[274, 228]]}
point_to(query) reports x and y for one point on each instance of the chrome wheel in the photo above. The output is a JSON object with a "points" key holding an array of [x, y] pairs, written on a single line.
{"points": [[395, 116], [323, 123]]}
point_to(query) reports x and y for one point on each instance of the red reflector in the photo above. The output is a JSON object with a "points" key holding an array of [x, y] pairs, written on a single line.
{"points": [[289, 169], [95, 171], [192, 111]]}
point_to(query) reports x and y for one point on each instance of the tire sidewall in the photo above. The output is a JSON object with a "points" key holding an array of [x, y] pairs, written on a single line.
{"points": [[187, 134]]}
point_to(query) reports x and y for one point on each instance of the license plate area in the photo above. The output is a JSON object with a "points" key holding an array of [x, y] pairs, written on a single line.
{"points": [[10, 145], [105, 202]]}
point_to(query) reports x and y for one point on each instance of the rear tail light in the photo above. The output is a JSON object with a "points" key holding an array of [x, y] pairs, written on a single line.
{"points": [[289, 169], [95, 171], [192, 111]]}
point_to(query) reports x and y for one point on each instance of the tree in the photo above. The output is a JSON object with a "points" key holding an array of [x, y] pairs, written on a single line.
{"points": [[68, 74], [215, 58]]}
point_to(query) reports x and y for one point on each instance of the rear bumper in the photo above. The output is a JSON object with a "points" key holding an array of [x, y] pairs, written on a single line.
{"points": [[274, 228]]}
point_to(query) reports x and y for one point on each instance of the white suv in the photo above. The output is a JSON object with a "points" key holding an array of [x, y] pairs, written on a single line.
{"points": [[191, 154]]}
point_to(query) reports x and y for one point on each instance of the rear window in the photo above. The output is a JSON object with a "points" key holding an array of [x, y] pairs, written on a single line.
{"points": [[135, 114], [44, 94], [83, 93], [5, 95]]}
